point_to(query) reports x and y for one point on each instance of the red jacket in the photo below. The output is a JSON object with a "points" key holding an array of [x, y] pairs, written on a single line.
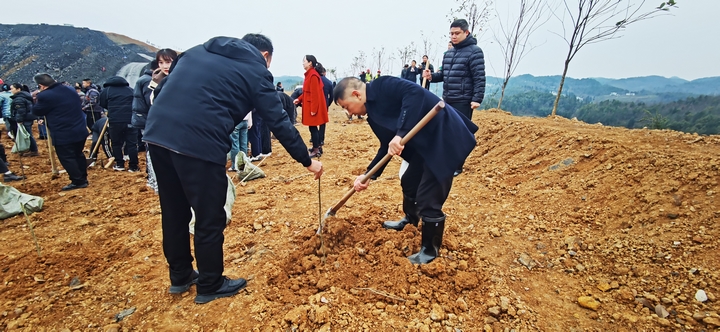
{"points": [[313, 100]]}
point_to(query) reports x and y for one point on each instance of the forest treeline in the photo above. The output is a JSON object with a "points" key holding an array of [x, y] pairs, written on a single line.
{"points": [[700, 114]]}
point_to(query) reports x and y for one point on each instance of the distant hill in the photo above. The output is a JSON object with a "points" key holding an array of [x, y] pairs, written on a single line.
{"points": [[648, 89], [65, 52]]}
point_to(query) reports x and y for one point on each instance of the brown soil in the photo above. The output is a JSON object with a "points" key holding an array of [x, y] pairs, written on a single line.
{"points": [[547, 211]]}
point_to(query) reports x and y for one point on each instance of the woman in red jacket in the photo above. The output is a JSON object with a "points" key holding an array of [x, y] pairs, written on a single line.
{"points": [[314, 108]]}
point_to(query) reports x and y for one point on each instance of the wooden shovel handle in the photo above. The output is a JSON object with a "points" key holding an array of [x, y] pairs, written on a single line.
{"points": [[99, 141], [434, 111]]}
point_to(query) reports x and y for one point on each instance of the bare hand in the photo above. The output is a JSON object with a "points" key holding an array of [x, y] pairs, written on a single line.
{"points": [[426, 74], [358, 185], [40, 122], [296, 101], [474, 105], [317, 168], [395, 148], [158, 75]]}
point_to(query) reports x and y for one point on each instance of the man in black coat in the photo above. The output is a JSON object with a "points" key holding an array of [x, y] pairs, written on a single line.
{"points": [[210, 89], [61, 107], [117, 99], [394, 106], [462, 73]]}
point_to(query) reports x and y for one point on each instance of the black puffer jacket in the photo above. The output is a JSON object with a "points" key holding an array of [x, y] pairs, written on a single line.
{"points": [[21, 107], [141, 100], [463, 73], [117, 99]]}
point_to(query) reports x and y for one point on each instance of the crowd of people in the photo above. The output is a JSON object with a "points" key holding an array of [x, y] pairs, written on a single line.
{"points": [[186, 159]]}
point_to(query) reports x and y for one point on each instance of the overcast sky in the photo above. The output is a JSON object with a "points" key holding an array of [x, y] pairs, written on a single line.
{"points": [[682, 44]]}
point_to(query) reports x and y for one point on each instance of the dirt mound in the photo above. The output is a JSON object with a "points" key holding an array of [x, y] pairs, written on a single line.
{"points": [[550, 214]]}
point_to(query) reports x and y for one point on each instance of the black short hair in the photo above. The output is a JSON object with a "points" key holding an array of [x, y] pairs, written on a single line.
{"points": [[87, 80], [347, 83], [460, 23], [261, 42], [166, 54], [154, 65], [46, 79]]}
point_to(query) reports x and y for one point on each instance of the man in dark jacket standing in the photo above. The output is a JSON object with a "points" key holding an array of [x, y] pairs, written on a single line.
{"points": [[394, 106], [61, 107], [117, 99], [462, 73], [210, 89], [90, 105]]}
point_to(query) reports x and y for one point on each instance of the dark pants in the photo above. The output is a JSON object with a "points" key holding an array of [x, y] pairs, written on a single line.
{"points": [[315, 136], [321, 134], [33, 143], [265, 137], [255, 136], [464, 109], [3, 159], [122, 133], [419, 183], [72, 158], [91, 118], [185, 182]]}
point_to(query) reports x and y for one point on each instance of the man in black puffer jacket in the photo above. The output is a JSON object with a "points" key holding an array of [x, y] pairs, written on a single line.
{"points": [[117, 99], [462, 73]]}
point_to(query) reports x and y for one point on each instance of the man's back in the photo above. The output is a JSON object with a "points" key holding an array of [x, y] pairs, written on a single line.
{"points": [[61, 106]]}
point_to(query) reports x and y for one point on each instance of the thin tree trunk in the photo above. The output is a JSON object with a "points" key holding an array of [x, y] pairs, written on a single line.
{"points": [[559, 93], [502, 94]]}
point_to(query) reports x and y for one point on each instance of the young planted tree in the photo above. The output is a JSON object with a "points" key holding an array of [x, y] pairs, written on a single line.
{"points": [[476, 12], [406, 53], [514, 34], [358, 63], [378, 58], [591, 21]]}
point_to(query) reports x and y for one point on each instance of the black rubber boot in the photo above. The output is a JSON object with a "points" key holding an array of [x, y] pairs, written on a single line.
{"points": [[411, 216], [432, 234]]}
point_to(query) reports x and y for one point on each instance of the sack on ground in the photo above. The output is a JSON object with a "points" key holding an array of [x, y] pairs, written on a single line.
{"points": [[229, 201], [22, 140], [11, 200], [245, 168]]}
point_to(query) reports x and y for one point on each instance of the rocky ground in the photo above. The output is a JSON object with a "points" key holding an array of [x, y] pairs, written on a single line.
{"points": [[556, 225]]}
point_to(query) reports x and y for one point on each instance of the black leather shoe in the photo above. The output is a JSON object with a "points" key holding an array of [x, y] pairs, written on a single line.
{"points": [[73, 186], [177, 289], [229, 288], [11, 177]]}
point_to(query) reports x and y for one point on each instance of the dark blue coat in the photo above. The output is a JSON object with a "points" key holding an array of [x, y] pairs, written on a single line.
{"points": [[210, 89], [62, 108], [327, 90], [117, 99], [395, 105], [141, 100], [463, 73]]}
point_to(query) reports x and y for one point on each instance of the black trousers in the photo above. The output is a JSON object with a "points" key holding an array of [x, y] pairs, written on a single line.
{"points": [[419, 183], [315, 135], [33, 143], [122, 134], [3, 159], [72, 158], [183, 183], [464, 109], [265, 137]]}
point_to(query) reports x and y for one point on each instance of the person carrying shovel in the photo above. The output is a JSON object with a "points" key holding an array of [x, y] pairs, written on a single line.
{"points": [[394, 106]]}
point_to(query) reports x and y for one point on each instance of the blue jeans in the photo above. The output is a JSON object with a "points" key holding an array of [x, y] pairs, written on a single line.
{"points": [[42, 130], [239, 138]]}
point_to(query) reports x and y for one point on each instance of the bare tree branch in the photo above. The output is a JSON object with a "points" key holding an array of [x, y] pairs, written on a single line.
{"points": [[514, 35], [592, 22]]}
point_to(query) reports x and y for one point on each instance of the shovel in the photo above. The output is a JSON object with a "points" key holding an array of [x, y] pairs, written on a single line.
{"points": [[92, 158], [434, 111]]}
